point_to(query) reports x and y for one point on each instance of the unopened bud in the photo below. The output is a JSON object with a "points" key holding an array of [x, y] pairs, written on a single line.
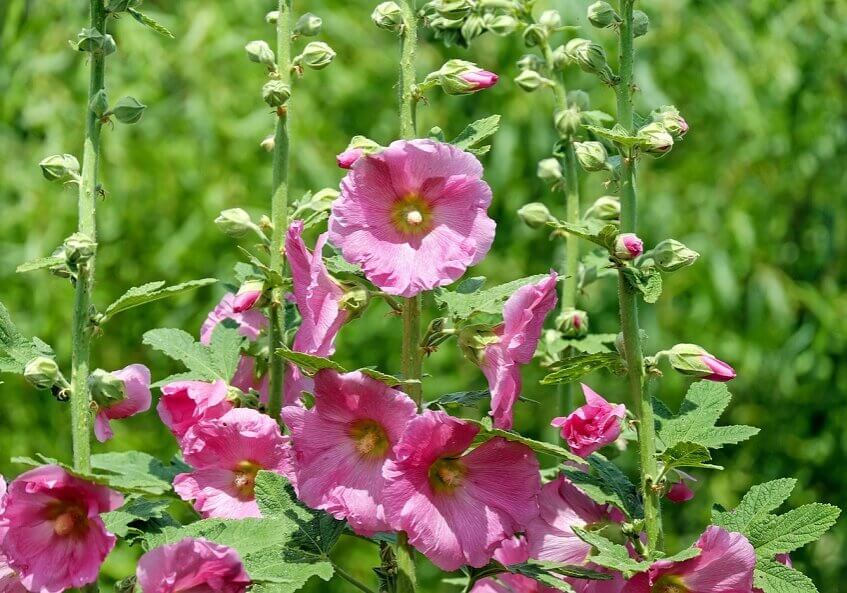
{"points": [[502, 25], [388, 16], [234, 222], [359, 146], [535, 215], [99, 103], [128, 110], [105, 388], [90, 40], [573, 323], [268, 142], [671, 120], [60, 167], [530, 62], [549, 170], [453, 9], [579, 99], [567, 121], [308, 25], [560, 58], [628, 246], [354, 300], [317, 55], [535, 35], [276, 93], [272, 17], [42, 372], [695, 361], [79, 248], [248, 295], [591, 155], [591, 57], [640, 23], [605, 208], [473, 340], [109, 45], [550, 19], [473, 27], [530, 80], [458, 77], [671, 255], [261, 53], [602, 15], [655, 139]]}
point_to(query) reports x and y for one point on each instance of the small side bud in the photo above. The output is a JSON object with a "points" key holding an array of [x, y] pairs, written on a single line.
{"points": [[605, 208], [99, 103], [109, 45], [549, 170], [453, 9], [579, 99], [458, 77], [591, 155], [502, 25], [567, 121], [695, 361], [248, 296], [276, 93], [473, 340], [268, 143], [60, 167], [671, 255], [655, 139], [105, 388], [550, 20], [530, 62], [354, 300], [473, 27], [640, 23], [388, 16], [573, 323], [359, 146], [90, 40], [79, 248], [128, 110], [317, 55], [530, 80], [628, 246], [272, 17], [535, 35], [260, 52], [671, 120], [308, 25], [535, 215], [591, 57], [234, 222], [602, 15], [42, 372]]}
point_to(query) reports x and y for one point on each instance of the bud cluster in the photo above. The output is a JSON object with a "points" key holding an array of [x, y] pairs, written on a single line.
{"points": [[459, 22]]}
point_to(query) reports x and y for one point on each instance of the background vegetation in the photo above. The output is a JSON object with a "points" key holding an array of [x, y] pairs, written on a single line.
{"points": [[757, 187]]}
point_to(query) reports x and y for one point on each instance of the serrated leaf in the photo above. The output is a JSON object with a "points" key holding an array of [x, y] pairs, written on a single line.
{"points": [[187, 376], [470, 285], [683, 555], [591, 344], [469, 399], [16, 350], [150, 292], [759, 501], [537, 573], [607, 484], [599, 232], [487, 431], [225, 348], [135, 512], [199, 359], [574, 367], [40, 264], [687, 455], [150, 23], [780, 534], [336, 264], [617, 134], [462, 305], [646, 281], [310, 364], [772, 577], [136, 471], [272, 277], [609, 554], [476, 132]]}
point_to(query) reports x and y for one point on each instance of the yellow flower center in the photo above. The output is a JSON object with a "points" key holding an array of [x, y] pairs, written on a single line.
{"points": [[411, 215], [244, 479], [69, 519], [669, 584], [369, 438], [447, 474]]}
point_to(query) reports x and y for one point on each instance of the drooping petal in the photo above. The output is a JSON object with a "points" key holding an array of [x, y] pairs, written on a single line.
{"points": [[136, 380]]}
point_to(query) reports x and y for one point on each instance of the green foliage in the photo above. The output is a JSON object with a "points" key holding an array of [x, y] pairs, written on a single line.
{"points": [[487, 431], [217, 361], [609, 554], [311, 364], [472, 137], [461, 305], [607, 484], [15, 349], [137, 517], [150, 292], [575, 367], [772, 577], [468, 399], [684, 454]]}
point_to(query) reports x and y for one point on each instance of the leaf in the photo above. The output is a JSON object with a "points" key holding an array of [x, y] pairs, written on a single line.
{"points": [[469, 399], [207, 363], [487, 431], [687, 455], [703, 405], [772, 577], [462, 305], [271, 276], [225, 348], [609, 554], [470, 285], [796, 528], [647, 281], [311, 364], [759, 501], [187, 376], [338, 265], [574, 367], [600, 232], [40, 263], [136, 511], [591, 344], [617, 134], [607, 484], [135, 471], [475, 133], [150, 23], [544, 577], [152, 291], [15, 349]]}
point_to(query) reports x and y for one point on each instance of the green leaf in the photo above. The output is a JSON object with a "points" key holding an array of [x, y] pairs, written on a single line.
{"points": [[15, 349], [225, 348], [704, 403], [152, 291], [682, 555], [759, 501], [336, 264], [40, 263], [609, 554], [311, 364], [647, 281], [217, 361], [477, 132], [591, 344], [687, 455], [468, 399], [574, 367], [150, 23], [772, 577], [537, 573], [135, 512], [271, 276], [187, 376], [462, 305], [617, 134], [779, 534], [135, 471], [470, 285], [607, 484], [487, 431], [600, 232]]}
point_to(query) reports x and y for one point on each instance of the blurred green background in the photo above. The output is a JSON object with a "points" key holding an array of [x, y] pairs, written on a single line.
{"points": [[757, 187]]}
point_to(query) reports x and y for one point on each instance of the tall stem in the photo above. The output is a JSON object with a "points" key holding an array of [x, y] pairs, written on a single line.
{"points": [[279, 209], [628, 299], [87, 224]]}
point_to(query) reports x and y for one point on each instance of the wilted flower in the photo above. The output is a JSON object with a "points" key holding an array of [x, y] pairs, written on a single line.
{"points": [[136, 387], [594, 425], [191, 565]]}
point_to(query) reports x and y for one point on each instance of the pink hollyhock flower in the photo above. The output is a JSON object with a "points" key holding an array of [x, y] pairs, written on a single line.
{"points": [[343, 443], [594, 425], [680, 492], [456, 508], [251, 323], [192, 565], [246, 378], [628, 246], [136, 380], [694, 360], [512, 550], [480, 79], [348, 158], [523, 317], [725, 565], [413, 216], [227, 453], [10, 582], [51, 531], [720, 370], [185, 403]]}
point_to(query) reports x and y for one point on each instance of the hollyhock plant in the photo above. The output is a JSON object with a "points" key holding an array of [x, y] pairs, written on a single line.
{"points": [[185, 403], [592, 426], [413, 216], [192, 565], [725, 565], [51, 531], [517, 338], [343, 443], [250, 322], [226, 454], [680, 492], [136, 381], [457, 507]]}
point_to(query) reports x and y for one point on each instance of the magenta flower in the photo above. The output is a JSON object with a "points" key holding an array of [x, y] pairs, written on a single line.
{"points": [[523, 318], [413, 216], [680, 492], [192, 565], [251, 323], [594, 425], [480, 79], [455, 507], [248, 295], [136, 380], [628, 246], [694, 360], [720, 371], [725, 565], [227, 453], [246, 378], [348, 158], [51, 531], [185, 403], [343, 443], [10, 582]]}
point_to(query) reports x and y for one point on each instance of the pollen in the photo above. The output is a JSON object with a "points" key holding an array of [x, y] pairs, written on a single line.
{"points": [[69, 519], [447, 474], [369, 439], [244, 479]]}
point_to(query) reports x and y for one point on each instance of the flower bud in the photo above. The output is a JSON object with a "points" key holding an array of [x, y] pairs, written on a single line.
{"points": [[550, 20], [602, 15], [388, 16], [99, 103], [502, 25], [680, 492], [128, 110], [359, 146], [530, 80], [579, 99], [308, 25], [105, 388], [530, 62], [79, 248], [549, 170], [693, 360], [605, 208], [42, 372], [355, 299], [535, 215], [458, 77], [234, 222], [261, 53], [272, 17], [672, 121], [60, 167], [268, 142], [591, 155], [567, 121], [590, 56], [573, 323], [276, 93], [317, 55], [90, 40], [473, 27], [628, 246], [560, 58], [248, 295], [655, 139], [473, 340], [640, 23], [535, 35], [109, 45], [671, 255], [453, 9]]}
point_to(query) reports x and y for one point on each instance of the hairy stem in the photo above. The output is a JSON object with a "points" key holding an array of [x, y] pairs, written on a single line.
{"points": [[628, 300], [88, 190], [279, 209]]}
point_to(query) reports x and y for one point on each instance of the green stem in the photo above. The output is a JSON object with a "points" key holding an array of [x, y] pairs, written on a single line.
{"points": [[351, 579], [629, 303], [279, 209], [88, 190]]}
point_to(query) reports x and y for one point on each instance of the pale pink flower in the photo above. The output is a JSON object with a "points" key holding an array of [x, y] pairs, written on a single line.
{"points": [[413, 216], [725, 565], [720, 371], [592, 426], [628, 246], [523, 318], [250, 323], [348, 158], [480, 79], [195, 565], [51, 531], [136, 380], [185, 403], [226, 454], [343, 443], [457, 507]]}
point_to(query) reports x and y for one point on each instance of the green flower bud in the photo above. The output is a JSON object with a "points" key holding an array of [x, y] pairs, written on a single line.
{"points": [[276, 93], [308, 25], [105, 388], [128, 110], [261, 53], [272, 17], [530, 62], [473, 27], [42, 372], [695, 361], [640, 23], [355, 299], [591, 155], [550, 20], [673, 122], [560, 58], [567, 121], [109, 45], [453, 9], [573, 323], [605, 208], [79, 248], [579, 99], [60, 167], [388, 16], [549, 170], [655, 139], [591, 57], [458, 77], [317, 55], [502, 25], [99, 103], [535, 35], [90, 40], [234, 222], [671, 255], [602, 15], [535, 215], [530, 80]]}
